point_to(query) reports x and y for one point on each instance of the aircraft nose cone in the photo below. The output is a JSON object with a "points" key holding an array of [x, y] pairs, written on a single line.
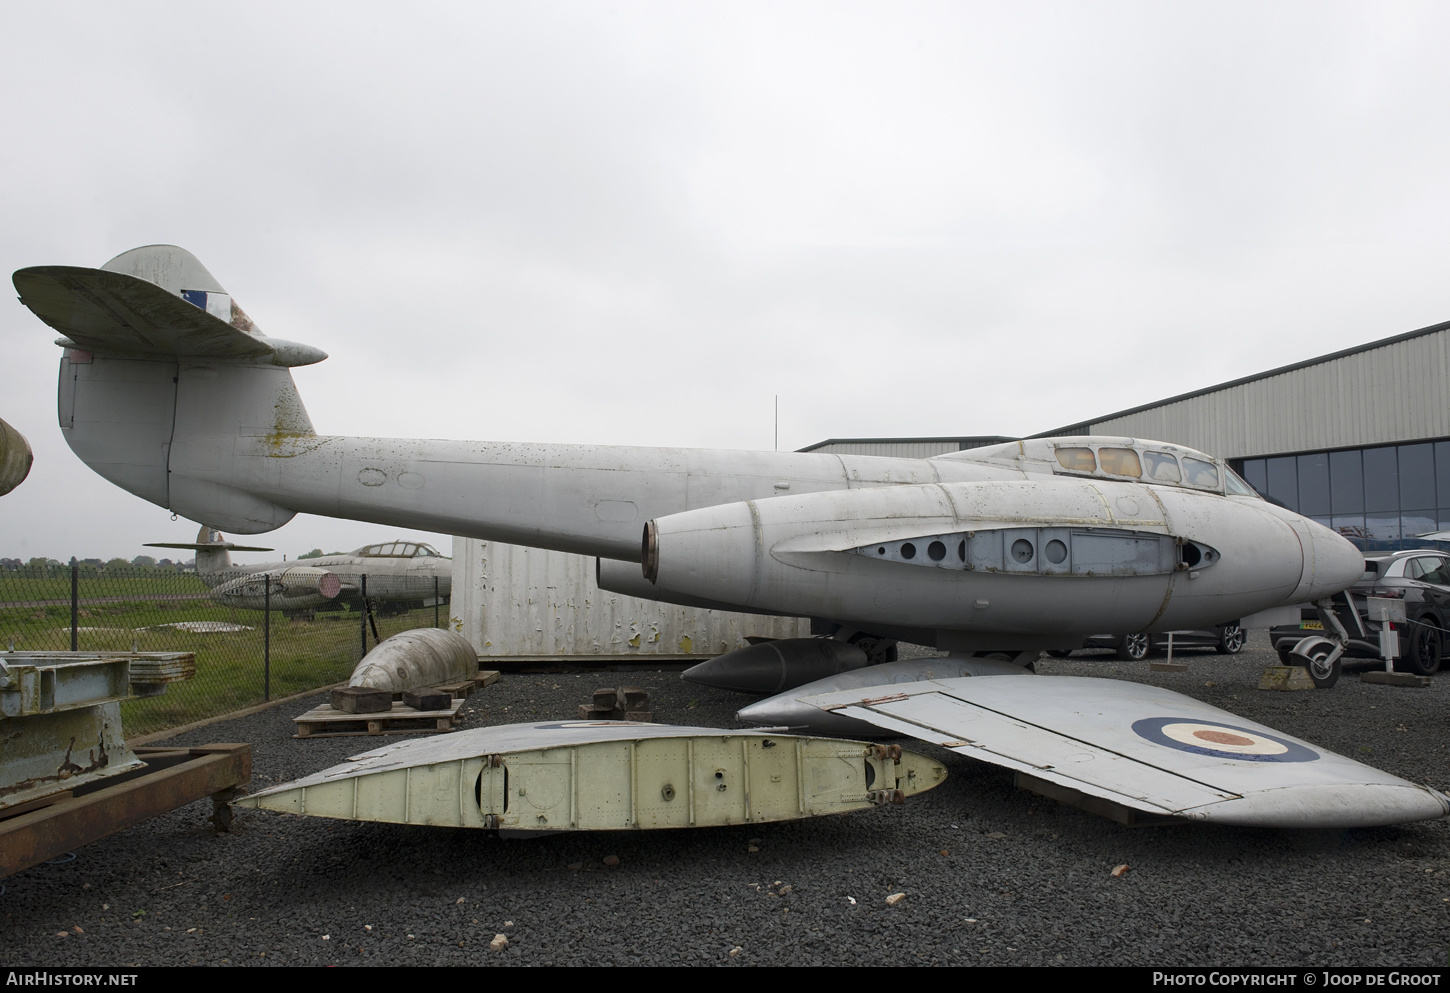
{"points": [[1338, 565]]}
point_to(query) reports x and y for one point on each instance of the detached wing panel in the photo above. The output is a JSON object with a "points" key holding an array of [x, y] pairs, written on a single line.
{"points": [[1151, 750]]}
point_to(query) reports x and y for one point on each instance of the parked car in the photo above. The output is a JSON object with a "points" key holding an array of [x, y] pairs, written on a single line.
{"points": [[1226, 639], [1419, 577]]}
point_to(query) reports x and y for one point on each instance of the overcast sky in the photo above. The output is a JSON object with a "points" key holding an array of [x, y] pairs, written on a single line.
{"points": [[639, 223]]}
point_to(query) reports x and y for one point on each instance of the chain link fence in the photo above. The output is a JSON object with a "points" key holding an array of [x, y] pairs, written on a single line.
{"points": [[243, 657]]}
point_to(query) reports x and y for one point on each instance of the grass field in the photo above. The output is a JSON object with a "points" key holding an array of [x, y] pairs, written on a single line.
{"points": [[229, 664]]}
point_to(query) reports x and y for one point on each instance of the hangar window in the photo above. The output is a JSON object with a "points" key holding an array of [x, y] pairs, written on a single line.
{"points": [[1077, 459], [1120, 462], [1204, 475], [1162, 467]]}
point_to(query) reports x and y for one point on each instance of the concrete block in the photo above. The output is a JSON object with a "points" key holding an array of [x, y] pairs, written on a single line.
{"points": [[1285, 677]]}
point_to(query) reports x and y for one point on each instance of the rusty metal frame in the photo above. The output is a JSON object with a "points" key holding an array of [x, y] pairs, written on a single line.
{"points": [[172, 778]]}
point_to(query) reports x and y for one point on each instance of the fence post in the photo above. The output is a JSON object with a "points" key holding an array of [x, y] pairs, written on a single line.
{"points": [[267, 639], [363, 617], [75, 572], [435, 602]]}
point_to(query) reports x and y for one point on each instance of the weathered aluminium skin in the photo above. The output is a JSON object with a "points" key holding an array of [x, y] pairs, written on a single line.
{"points": [[169, 390], [606, 776], [199, 414], [413, 660]]}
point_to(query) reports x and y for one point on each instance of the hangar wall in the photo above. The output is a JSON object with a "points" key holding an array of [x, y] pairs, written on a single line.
{"points": [[1385, 392], [903, 448], [1358, 440], [515, 602]]}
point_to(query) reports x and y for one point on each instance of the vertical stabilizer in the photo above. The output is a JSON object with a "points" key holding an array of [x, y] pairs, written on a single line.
{"points": [[162, 374]]}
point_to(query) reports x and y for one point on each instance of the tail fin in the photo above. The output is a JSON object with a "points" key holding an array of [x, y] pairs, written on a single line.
{"points": [[213, 551], [161, 372]]}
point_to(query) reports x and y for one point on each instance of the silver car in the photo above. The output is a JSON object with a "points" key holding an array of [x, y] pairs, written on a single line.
{"points": [[1226, 639]]}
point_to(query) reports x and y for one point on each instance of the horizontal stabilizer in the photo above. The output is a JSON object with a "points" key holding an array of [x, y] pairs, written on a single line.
{"points": [[1141, 749], [121, 314], [207, 546]]}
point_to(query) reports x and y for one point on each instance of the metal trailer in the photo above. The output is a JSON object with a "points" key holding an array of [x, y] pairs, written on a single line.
{"points": [[67, 776]]}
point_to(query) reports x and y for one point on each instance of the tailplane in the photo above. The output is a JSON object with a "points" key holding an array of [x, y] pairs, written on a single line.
{"points": [[213, 551], [161, 372]]}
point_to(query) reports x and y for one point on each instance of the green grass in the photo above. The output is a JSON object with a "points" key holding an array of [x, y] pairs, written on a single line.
{"points": [[229, 665]]}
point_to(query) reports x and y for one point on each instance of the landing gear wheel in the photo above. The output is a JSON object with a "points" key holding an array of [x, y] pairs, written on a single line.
{"points": [[1324, 673], [1134, 647], [878, 650], [1230, 640], [1423, 658], [1285, 657]]}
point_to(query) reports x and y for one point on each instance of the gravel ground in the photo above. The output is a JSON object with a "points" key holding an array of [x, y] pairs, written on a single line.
{"points": [[991, 875]]}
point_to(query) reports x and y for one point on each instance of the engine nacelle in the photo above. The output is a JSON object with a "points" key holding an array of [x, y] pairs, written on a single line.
{"points": [[297, 588], [1053, 557]]}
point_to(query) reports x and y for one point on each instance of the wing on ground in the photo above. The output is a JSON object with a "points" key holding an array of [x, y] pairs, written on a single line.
{"points": [[1139, 752]]}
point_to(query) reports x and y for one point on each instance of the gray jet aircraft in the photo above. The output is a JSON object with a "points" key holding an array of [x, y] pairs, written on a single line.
{"points": [[398, 573], [169, 390]]}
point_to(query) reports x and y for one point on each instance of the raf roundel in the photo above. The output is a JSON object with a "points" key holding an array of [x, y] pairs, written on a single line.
{"points": [[1226, 741]]}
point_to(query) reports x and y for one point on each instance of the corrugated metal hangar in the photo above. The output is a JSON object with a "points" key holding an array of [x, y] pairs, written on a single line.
{"points": [[1358, 439]]}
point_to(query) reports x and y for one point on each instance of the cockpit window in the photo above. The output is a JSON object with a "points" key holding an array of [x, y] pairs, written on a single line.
{"points": [[1204, 475], [1120, 462], [1162, 467], [1077, 459], [1237, 487]]}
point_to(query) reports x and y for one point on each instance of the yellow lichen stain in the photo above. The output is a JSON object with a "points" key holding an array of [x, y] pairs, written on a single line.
{"points": [[634, 642], [289, 423], [687, 647]]}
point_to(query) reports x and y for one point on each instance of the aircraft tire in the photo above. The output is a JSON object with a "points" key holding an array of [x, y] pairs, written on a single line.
{"points": [[1323, 674]]}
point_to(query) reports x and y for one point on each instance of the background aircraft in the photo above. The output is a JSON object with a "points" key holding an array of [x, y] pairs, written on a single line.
{"points": [[399, 574], [169, 390]]}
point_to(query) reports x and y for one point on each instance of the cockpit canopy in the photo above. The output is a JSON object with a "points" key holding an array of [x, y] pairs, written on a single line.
{"points": [[400, 550], [1122, 459]]}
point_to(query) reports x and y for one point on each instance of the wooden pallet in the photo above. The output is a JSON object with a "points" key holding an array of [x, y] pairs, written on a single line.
{"points": [[467, 686], [324, 722]]}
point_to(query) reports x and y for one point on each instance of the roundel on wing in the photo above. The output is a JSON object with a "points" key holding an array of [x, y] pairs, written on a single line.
{"points": [[1225, 741]]}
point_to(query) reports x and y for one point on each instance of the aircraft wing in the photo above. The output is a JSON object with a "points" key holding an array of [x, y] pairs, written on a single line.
{"points": [[115, 312], [1136, 752]]}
